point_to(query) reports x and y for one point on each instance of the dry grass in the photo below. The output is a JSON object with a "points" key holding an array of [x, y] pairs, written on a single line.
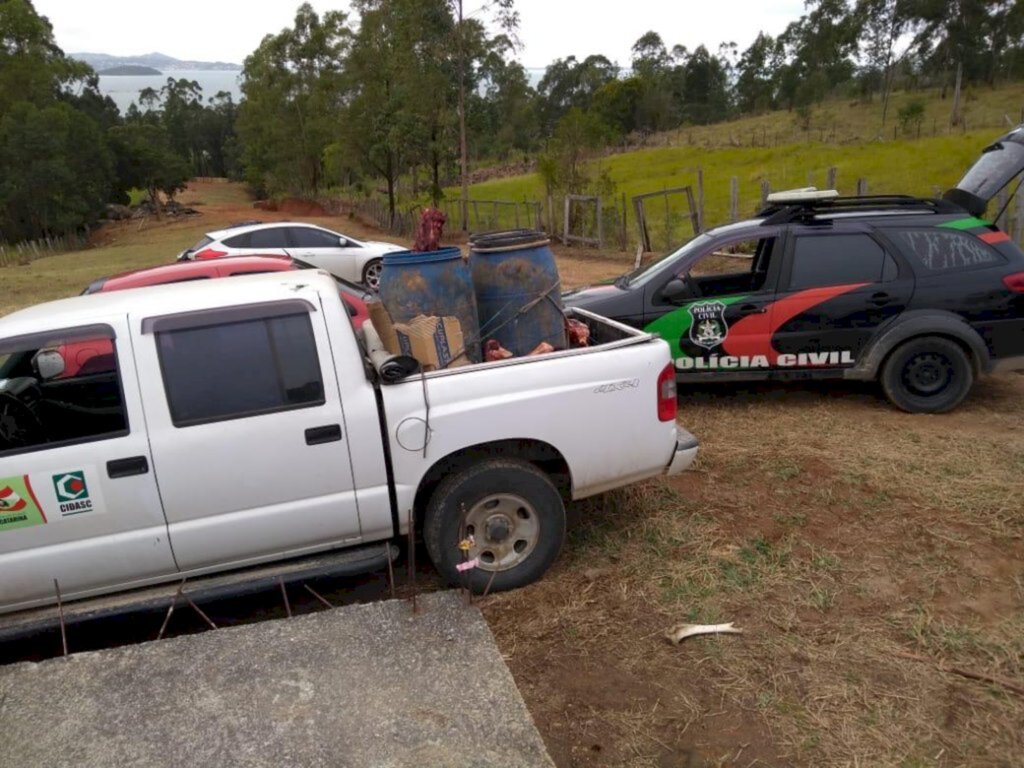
{"points": [[840, 534]]}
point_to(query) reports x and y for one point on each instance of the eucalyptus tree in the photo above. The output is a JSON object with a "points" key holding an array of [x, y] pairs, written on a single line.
{"points": [[295, 86]]}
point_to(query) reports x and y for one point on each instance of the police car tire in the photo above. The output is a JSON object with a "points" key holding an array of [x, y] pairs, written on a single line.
{"points": [[897, 376], [456, 497]]}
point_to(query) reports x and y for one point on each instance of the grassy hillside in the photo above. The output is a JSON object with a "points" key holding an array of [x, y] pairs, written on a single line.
{"points": [[774, 147]]}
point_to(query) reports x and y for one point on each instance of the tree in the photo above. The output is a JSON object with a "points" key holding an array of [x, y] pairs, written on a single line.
{"points": [[294, 85], [400, 88], [563, 166], [706, 93], [650, 59], [56, 173], [883, 24], [820, 47], [757, 75], [145, 159], [504, 104], [508, 19], [569, 83]]}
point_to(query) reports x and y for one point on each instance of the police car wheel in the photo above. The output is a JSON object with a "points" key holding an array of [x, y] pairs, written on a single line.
{"points": [[927, 375], [509, 514]]}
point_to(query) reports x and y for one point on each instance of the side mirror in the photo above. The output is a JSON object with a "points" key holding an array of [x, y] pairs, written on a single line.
{"points": [[675, 291], [49, 363], [343, 242]]}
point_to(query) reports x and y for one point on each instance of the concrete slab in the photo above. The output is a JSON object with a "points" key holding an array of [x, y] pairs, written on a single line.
{"points": [[365, 685]]}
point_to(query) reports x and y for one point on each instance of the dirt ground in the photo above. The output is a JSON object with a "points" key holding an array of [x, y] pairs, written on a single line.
{"points": [[874, 560]]}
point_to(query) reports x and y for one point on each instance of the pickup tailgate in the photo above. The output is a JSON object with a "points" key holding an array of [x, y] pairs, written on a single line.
{"points": [[596, 406]]}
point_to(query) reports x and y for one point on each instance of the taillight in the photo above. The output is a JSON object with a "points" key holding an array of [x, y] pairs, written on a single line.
{"points": [[1015, 282], [667, 393], [210, 253]]}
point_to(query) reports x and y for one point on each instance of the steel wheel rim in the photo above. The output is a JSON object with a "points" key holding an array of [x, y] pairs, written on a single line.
{"points": [[373, 271], [928, 374], [503, 530]]}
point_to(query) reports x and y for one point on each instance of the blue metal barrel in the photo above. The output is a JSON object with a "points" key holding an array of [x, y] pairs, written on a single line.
{"points": [[428, 283], [518, 291]]}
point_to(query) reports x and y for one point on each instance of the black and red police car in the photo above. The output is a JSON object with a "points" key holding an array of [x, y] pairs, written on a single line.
{"points": [[922, 295]]}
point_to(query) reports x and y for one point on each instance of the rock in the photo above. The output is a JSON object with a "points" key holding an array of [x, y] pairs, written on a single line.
{"points": [[116, 212]]}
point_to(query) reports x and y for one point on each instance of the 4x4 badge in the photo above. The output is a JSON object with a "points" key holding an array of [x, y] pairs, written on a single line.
{"points": [[708, 328]]}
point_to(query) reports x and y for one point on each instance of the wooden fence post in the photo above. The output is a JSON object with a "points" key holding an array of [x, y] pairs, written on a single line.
{"points": [[566, 222], [766, 189], [700, 200], [862, 187], [668, 222], [600, 225], [830, 178], [734, 199], [623, 237]]}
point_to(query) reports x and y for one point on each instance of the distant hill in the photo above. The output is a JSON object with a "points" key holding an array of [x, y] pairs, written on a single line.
{"points": [[158, 61], [129, 69]]}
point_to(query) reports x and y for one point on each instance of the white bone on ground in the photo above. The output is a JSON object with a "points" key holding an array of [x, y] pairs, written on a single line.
{"points": [[680, 632]]}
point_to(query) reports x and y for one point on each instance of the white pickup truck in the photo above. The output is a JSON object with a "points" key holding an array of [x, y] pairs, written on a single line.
{"points": [[182, 430]]}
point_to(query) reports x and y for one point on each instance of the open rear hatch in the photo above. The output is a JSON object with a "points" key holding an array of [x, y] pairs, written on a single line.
{"points": [[999, 164]]}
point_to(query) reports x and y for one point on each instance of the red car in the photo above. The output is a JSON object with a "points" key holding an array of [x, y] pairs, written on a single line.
{"points": [[353, 295], [83, 358]]}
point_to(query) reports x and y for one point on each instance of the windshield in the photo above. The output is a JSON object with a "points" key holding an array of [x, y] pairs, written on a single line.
{"points": [[642, 275]]}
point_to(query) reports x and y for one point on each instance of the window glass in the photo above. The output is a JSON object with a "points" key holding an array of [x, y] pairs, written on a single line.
{"points": [[247, 368], [201, 244], [739, 266], [275, 237], [836, 260], [943, 250], [238, 241], [60, 389], [307, 237]]}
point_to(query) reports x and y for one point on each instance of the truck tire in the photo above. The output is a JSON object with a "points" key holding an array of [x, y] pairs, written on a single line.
{"points": [[371, 274], [927, 375], [511, 512]]}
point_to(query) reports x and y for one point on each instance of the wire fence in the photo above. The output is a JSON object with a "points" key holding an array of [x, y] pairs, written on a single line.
{"points": [[24, 253]]}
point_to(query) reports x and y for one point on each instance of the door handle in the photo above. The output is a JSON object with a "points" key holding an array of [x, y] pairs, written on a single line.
{"points": [[136, 465], [330, 433], [753, 309], [880, 299]]}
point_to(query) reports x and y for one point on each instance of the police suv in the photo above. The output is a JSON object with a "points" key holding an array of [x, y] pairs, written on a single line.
{"points": [[922, 295]]}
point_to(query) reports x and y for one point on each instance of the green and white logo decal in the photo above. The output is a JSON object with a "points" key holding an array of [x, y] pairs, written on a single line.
{"points": [[72, 493]]}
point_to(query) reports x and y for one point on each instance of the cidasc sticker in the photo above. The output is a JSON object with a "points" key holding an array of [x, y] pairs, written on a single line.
{"points": [[43, 498]]}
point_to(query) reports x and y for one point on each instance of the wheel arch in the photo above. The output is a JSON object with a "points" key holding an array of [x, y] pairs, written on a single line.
{"points": [[543, 455], [916, 325]]}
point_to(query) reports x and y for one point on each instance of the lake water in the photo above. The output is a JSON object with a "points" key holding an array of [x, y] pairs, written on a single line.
{"points": [[125, 89]]}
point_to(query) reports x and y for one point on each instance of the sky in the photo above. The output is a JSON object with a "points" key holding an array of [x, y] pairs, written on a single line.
{"points": [[228, 30]]}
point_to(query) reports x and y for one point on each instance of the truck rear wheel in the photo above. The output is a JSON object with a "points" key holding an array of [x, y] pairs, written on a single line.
{"points": [[927, 375], [511, 514]]}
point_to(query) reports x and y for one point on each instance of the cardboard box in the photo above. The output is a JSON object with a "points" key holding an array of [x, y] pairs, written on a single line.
{"points": [[435, 341], [382, 324]]}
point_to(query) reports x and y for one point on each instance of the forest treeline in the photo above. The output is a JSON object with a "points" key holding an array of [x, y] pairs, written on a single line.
{"points": [[395, 89]]}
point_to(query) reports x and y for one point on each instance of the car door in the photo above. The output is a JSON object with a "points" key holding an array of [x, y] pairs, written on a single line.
{"points": [[711, 307], [78, 498], [838, 288], [327, 250], [246, 427]]}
